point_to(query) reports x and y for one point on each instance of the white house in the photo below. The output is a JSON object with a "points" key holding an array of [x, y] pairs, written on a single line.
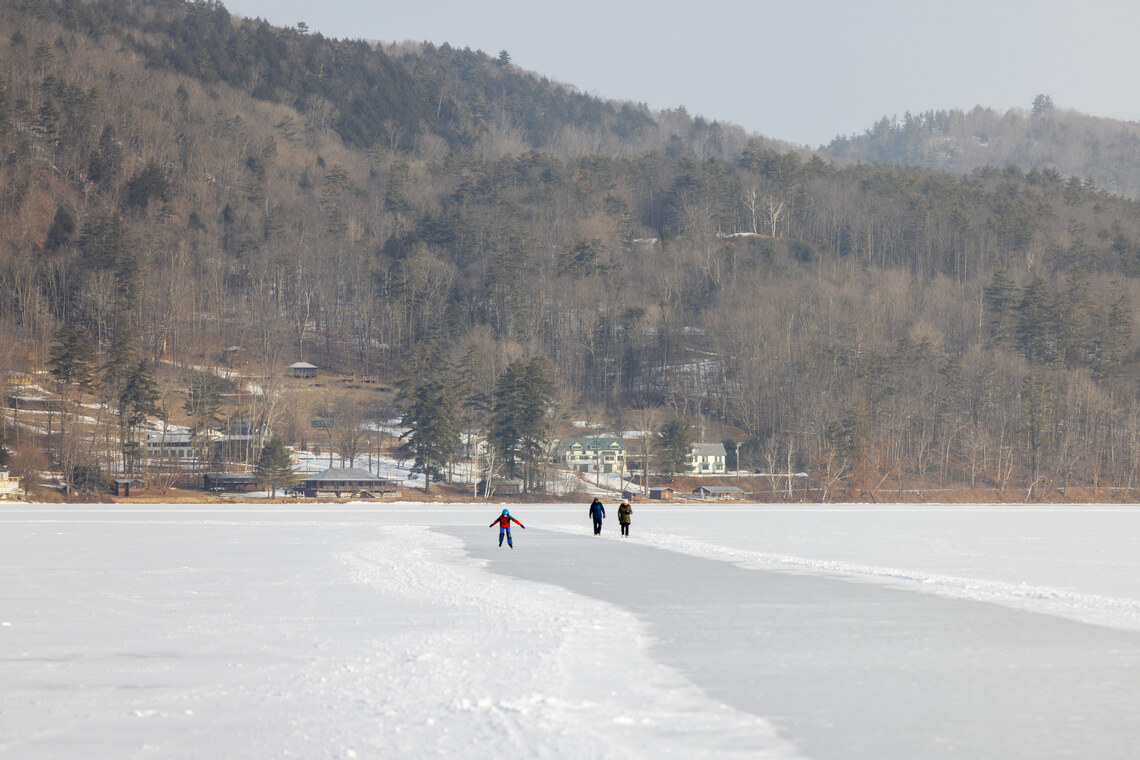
{"points": [[707, 459], [9, 486], [593, 454], [176, 444], [172, 445], [474, 446]]}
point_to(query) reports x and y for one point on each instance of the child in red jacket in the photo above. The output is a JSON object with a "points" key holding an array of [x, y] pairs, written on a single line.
{"points": [[504, 521]]}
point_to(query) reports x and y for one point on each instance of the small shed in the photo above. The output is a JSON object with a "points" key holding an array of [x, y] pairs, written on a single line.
{"points": [[301, 369], [632, 495], [128, 486], [663, 493]]}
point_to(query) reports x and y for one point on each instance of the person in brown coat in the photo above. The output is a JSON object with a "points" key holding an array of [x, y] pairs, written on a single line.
{"points": [[625, 516]]}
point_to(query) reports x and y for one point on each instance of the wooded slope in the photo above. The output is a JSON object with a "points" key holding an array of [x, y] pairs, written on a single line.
{"points": [[178, 182]]}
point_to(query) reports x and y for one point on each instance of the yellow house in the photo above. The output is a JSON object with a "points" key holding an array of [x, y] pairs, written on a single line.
{"points": [[18, 379]]}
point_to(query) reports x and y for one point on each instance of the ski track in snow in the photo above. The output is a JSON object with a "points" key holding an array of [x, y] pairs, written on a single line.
{"points": [[1105, 611], [521, 670]]}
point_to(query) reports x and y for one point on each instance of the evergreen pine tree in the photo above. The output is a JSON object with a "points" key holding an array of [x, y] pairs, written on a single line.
{"points": [[473, 404], [431, 416], [274, 467], [137, 400], [674, 444], [1072, 318], [1113, 347], [73, 363], [72, 358], [121, 356], [1036, 323], [519, 416], [1000, 299], [203, 403]]}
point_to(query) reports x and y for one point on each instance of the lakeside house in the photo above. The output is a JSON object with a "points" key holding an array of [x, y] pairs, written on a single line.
{"points": [[15, 379], [707, 459], [9, 486], [593, 454], [169, 445]]}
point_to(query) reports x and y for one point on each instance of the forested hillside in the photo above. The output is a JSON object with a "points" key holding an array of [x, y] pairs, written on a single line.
{"points": [[1104, 152], [177, 183]]}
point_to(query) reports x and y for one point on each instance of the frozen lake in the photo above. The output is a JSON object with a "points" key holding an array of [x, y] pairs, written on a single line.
{"points": [[403, 630]]}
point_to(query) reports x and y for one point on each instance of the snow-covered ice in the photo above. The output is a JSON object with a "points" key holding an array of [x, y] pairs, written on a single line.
{"points": [[716, 631]]}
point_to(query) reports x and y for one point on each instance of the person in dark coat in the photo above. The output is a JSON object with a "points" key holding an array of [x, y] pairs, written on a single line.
{"points": [[504, 522], [597, 513], [625, 516]]}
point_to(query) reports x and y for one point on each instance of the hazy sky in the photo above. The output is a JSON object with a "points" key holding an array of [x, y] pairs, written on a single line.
{"points": [[797, 70]]}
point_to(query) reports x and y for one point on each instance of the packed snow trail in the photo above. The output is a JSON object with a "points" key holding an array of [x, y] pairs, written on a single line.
{"points": [[848, 669]]}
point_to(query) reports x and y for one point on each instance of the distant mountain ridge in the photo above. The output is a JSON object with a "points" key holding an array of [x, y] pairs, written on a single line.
{"points": [[408, 94], [1100, 151]]}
